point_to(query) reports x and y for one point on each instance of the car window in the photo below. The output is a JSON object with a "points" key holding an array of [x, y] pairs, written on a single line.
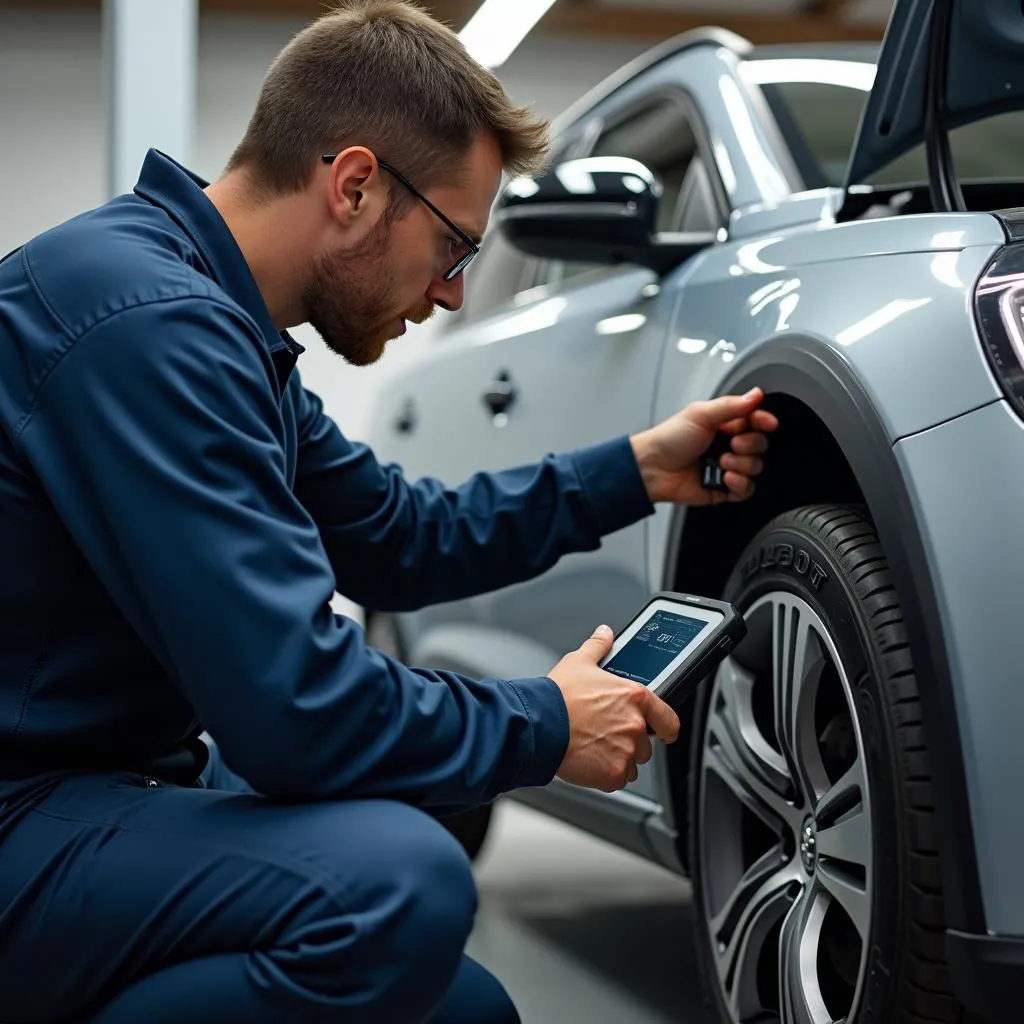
{"points": [[494, 278], [660, 135], [819, 121]]}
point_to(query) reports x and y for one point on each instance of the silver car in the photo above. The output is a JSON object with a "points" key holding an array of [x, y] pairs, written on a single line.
{"points": [[838, 227]]}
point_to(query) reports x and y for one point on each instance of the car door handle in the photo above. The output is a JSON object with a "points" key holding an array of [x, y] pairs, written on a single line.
{"points": [[405, 421], [500, 394]]}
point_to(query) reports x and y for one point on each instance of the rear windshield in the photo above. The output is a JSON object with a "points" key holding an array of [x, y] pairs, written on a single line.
{"points": [[818, 103]]}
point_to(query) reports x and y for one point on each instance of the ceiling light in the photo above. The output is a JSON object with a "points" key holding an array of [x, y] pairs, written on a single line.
{"points": [[499, 26]]}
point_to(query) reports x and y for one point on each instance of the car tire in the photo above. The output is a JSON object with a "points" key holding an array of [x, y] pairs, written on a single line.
{"points": [[469, 827], [815, 859]]}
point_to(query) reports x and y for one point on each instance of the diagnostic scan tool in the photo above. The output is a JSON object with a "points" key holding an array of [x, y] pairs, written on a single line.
{"points": [[674, 642]]}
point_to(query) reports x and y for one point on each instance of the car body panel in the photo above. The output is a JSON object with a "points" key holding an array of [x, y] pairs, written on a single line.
{"points": [[807, 208], [859, 296], [973, 547], [902, 302]]}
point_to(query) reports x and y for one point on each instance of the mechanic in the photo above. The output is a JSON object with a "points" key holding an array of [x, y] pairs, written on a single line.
{"points": [[176, 514]]}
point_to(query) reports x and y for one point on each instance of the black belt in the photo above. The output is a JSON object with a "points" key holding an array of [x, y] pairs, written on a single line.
{"points": [[182, 766]]}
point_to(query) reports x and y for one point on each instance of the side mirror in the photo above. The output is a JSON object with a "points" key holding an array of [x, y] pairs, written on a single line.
{"points": [[594, 210]]}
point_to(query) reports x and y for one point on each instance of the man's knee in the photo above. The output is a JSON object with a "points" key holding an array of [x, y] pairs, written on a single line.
{"points": [[399, 933], [475, 997], [430, 878]]}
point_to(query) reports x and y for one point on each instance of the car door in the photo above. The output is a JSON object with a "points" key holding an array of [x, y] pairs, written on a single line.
{"points": [[569, 360]]}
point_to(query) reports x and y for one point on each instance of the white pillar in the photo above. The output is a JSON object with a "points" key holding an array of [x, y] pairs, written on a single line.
{"points": [[150, 65]]}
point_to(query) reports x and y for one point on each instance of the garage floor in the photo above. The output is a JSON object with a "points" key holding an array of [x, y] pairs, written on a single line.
{"points": [[580, 931]]}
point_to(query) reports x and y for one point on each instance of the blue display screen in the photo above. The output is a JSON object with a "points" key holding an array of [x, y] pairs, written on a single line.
{"points": [[651, 649]]}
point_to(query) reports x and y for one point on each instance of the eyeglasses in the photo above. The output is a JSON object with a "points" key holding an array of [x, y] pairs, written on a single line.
{"points": [[464, 250]]}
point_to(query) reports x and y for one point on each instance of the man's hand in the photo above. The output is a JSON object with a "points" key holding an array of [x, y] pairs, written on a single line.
{"points": [[669, 454], [608, 719]]}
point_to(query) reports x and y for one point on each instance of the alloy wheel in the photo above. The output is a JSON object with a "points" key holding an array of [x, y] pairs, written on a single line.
{"points": [[785, 825]]}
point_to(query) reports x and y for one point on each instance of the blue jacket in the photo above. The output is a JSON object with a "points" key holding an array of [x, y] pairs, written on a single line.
{"points": [[177, 511]]}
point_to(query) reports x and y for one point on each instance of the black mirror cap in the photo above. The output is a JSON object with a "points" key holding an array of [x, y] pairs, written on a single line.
{"points": [[601, 210], [588, 181]]}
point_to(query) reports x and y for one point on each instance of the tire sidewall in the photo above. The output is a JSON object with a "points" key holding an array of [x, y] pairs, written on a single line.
{"points": [[788, 558]]}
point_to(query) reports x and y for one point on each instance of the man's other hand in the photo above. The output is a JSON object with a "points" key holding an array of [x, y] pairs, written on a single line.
{"points": [[669, 454], [608, 719]]}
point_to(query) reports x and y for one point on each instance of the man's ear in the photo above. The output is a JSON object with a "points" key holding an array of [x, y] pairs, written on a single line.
{"points": [[355, 186]]}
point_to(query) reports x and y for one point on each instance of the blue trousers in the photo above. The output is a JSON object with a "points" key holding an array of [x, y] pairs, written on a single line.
{"points": [[127, 903]]}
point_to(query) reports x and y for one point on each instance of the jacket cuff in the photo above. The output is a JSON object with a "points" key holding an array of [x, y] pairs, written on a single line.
{"points": [[545, 707], [612, 482]]}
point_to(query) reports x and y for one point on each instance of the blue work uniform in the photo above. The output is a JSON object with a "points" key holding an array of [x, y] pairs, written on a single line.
{"points": [[176, 513]]}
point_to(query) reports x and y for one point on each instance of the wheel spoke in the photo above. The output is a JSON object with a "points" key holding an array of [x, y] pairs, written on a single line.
{"points": [[844, 795], [738, 931], [846, 841], [844, 829], [797, 663], [800, 998], [844, 846], [737, 752]]}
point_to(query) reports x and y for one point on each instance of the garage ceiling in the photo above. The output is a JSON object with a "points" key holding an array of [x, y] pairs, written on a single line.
{"points": [[761, 21]]}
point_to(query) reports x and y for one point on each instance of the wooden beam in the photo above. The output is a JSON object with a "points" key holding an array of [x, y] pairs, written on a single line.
{"points": [[825, 8], [577, 19]]}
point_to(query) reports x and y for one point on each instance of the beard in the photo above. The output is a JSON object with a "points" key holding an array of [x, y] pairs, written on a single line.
{"points": [[349, 299]]}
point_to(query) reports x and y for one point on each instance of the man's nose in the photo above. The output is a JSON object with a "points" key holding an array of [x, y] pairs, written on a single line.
{"points": [[446, 294]]}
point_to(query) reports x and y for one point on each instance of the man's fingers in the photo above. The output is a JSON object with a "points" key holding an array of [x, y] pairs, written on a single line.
{"points": [[598, 645], [734, 427], [661, 718], [741, 488], [750, 444], [745, 465], [716, 412], [761, 419], [735, 414], [644, 750]]}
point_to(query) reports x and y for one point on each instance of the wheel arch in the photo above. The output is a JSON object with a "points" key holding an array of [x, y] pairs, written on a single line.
{"points": [[832, 446]]}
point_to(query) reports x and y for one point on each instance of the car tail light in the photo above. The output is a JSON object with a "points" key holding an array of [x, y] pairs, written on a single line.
{"points": [[999, 305]]}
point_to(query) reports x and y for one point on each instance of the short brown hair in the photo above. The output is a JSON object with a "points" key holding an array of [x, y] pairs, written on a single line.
{"points": [[382, 74]]}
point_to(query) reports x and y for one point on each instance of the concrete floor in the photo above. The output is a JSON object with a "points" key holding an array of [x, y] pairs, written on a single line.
{"points": [[580, 931]]}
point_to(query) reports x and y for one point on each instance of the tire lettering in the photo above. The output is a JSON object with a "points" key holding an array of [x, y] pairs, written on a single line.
{"points": [[785, 556], [818, 576]]}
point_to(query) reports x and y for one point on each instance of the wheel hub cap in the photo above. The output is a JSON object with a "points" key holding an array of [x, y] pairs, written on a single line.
{"points": [[809, 846]]}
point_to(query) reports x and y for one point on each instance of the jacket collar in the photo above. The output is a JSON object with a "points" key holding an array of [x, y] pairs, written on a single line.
{"points": [[165, 183]]}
